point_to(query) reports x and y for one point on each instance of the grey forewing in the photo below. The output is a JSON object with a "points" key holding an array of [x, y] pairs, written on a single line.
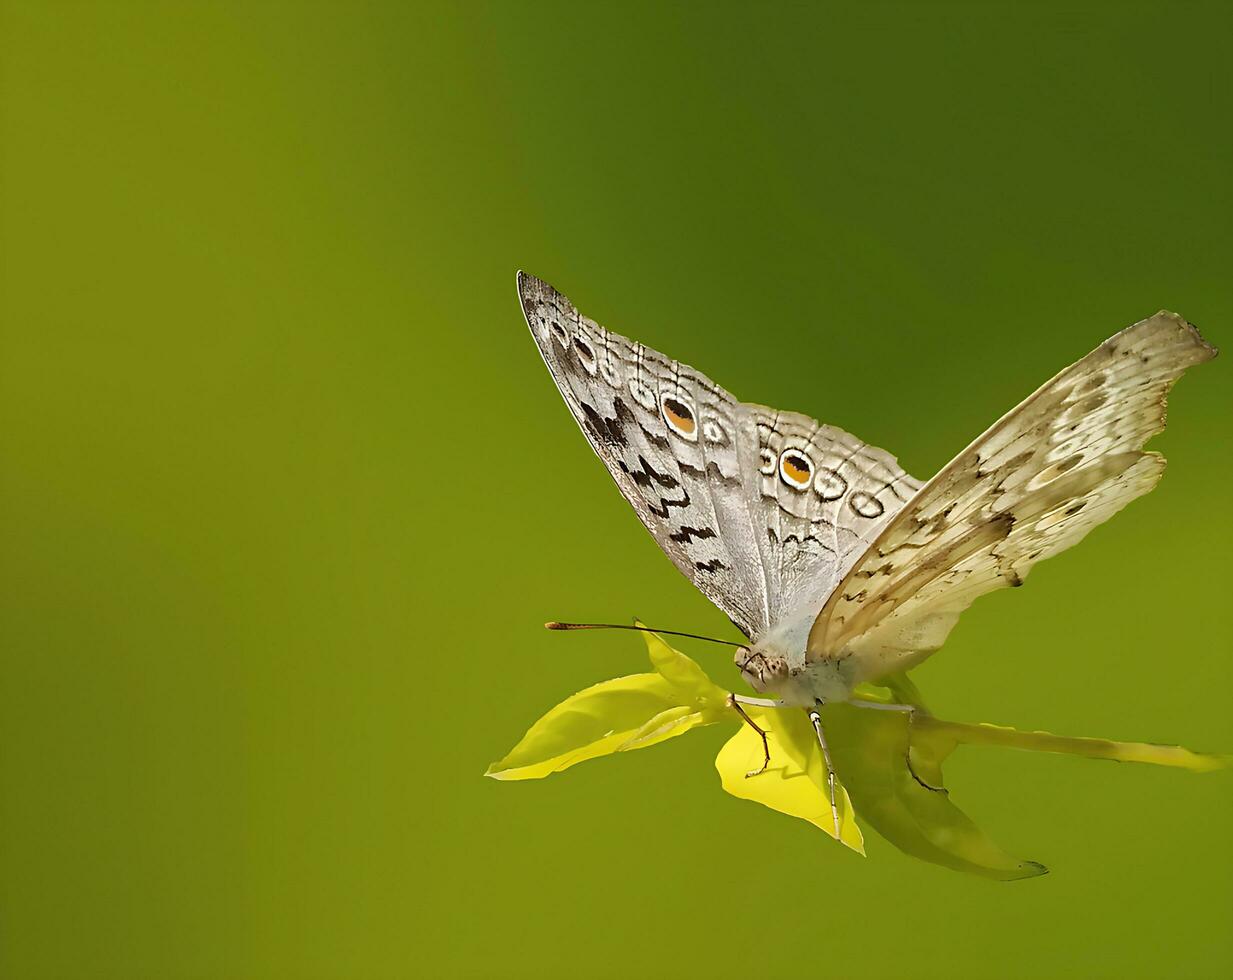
{"points": [[819, 530], [703, 471], [691, 493]]}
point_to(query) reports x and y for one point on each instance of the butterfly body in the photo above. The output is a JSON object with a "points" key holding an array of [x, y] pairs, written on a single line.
{"points": [[776, 664], [837, 565]]}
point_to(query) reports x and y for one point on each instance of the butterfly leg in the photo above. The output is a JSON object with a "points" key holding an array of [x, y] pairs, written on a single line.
{"points": [[758, 702], [907, 709], [816, 719], [735, 701]]}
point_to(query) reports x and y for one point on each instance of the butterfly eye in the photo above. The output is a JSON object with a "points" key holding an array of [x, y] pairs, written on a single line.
{"points": [[680, 417], [795, 468]]}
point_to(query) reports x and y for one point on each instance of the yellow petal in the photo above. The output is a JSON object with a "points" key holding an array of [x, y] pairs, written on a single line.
{"points": [[665, 725], [594, 722], [870, 750], [948, 734], [690, 680], [795, 782]]}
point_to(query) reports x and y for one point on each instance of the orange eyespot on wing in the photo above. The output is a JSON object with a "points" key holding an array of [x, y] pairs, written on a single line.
{"points": [[680, 417], [795, 468]]}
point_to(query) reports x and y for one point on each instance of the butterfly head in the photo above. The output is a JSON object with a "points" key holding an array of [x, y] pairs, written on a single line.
{"points": [[763, 670]]}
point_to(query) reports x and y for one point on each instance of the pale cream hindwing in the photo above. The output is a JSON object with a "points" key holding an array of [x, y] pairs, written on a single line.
{"points": [[761, 510], [1063, 461]]}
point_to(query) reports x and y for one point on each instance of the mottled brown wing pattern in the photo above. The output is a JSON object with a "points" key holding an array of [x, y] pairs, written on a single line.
{"points": [[671, 438], [1063, 461]]}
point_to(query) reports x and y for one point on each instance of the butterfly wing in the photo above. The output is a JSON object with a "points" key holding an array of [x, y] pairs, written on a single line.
{"points": [[673, 441], [1063, 461], [757, 508], [822, 496]]}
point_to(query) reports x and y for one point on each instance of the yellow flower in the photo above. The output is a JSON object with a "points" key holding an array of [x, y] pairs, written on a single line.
{"points": [[888, 763], [619, 715]]}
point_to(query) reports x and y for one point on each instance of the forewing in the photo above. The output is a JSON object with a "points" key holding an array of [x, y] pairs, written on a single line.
{"points": [[762, 510], [1063, 461], [672, 440]]}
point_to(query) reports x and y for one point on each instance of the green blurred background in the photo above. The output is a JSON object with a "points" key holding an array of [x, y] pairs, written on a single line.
{"points": [[287, 492]]}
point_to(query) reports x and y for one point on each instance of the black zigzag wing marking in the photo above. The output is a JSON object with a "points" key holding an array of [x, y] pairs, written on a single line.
{"points": [[607, 431], [712, 473], [806, 541], [814, 529], [694, 505], [687, 534], [710, 486], [646, 477]]}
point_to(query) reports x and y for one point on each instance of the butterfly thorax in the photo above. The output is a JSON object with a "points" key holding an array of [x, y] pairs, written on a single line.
{"points": [[775, 664]]}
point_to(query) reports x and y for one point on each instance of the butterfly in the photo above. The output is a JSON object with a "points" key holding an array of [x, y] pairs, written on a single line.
{"points": [[837, 566]]}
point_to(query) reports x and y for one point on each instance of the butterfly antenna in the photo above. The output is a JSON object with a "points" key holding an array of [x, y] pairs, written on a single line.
{"points": [[642, 629]]}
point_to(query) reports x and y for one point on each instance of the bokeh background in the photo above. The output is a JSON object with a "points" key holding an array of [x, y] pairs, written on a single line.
{"points": [[286, 491]]}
